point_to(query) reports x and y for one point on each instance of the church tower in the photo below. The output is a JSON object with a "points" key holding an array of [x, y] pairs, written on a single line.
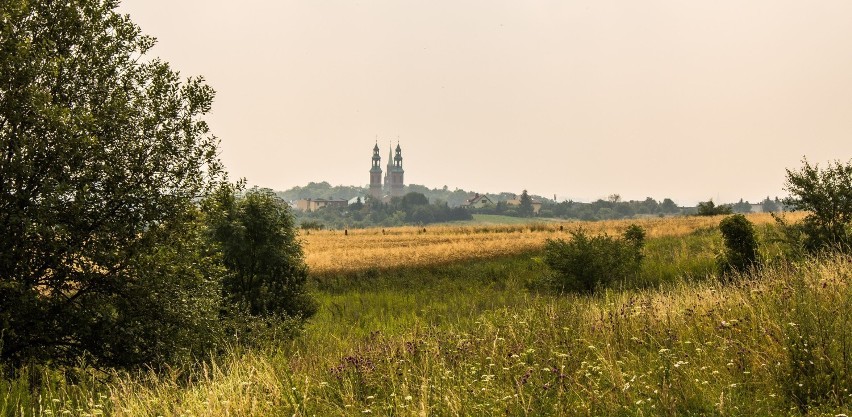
{"points": [[396, 175], [376, 174], [388, 169]]}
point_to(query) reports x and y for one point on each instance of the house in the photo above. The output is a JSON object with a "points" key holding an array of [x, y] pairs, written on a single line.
{"points": [[478, 201], [318, 203], [536, 205]]}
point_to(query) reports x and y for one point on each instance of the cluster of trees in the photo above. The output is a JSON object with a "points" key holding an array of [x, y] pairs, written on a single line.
{"points": [[709, 208], [123, 242], [611, 208], [411, 209]]}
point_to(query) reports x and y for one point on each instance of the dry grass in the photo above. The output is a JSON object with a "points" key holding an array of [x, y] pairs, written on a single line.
{"points": [[333, 251]]}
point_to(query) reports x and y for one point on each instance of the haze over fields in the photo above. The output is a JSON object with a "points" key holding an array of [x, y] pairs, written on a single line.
{"points": [[662, 98]]}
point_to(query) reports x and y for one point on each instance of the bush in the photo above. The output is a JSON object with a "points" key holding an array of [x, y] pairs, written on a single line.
{"points": [[586, 263], [266, 271], [740, 244]]}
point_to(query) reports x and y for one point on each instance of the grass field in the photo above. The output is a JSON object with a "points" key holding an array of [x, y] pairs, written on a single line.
{"points": [[476, 336]]}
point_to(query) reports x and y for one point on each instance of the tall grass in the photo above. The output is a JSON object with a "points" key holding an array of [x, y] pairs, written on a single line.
{"points": [[477, 338]]}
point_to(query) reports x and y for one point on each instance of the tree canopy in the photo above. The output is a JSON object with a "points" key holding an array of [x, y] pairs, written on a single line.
{"points": [[826, 194], [102, 157]]}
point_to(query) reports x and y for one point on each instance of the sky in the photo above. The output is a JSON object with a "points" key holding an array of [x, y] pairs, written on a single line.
{"points": [[689, 100]]}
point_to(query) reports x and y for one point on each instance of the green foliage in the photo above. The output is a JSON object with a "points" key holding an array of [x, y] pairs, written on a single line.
{"points": [[412, 199], [103, 154], [827, 196], [668, 206], [585, 263], [525, 209], [635, 234], [708, 208], [263, 258], [740, 243]]}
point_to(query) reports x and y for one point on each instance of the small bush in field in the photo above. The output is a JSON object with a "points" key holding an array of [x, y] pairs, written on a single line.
{"points": [[586, 263], [740, 243]]}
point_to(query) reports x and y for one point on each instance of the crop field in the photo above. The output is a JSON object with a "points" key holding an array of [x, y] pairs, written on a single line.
{"points": [[334, 251]]}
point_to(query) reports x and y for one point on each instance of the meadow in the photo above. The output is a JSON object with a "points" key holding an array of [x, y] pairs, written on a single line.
{"points": [[473, 334], [339, 251]]}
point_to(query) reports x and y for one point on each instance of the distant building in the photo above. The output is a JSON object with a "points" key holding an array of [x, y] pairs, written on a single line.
{"points": [[309, 204], [393, 181], [478, 201]]}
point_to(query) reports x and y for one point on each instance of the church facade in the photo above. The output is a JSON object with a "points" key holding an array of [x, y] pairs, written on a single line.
{"points": [[393, 184]]}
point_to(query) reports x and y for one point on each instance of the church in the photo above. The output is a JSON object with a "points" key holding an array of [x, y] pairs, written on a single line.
{"points": [[393, 183]]}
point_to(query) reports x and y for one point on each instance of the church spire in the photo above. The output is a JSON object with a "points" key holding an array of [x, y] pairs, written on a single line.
{"points": [[376, 173]]}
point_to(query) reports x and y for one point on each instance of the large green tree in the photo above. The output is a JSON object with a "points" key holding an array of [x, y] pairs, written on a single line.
{"points": [[102, 155], [826, 194]]}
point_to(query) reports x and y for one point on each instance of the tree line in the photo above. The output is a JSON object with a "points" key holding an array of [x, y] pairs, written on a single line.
{"points": [[411, 209]]}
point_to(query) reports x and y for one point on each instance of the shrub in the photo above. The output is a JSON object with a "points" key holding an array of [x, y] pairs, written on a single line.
{"points": [[740, 243], [265, 267], [586, 263]]}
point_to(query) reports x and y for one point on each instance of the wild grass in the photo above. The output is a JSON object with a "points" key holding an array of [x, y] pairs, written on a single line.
{"points": [[477, 337]]}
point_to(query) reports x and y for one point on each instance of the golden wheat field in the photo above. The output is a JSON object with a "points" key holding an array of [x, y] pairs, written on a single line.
{"points": [[332, 251]]}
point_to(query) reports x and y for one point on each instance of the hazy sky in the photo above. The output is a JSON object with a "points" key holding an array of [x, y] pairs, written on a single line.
{"points": [[683, 99]]}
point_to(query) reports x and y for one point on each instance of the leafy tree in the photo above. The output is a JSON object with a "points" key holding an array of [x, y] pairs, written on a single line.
{"points": [[769, 206], [414, 199], [740, 243], [103, 155], [266, 268], [525, 209], [826, 194], [708, 208], [668, 206]]}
